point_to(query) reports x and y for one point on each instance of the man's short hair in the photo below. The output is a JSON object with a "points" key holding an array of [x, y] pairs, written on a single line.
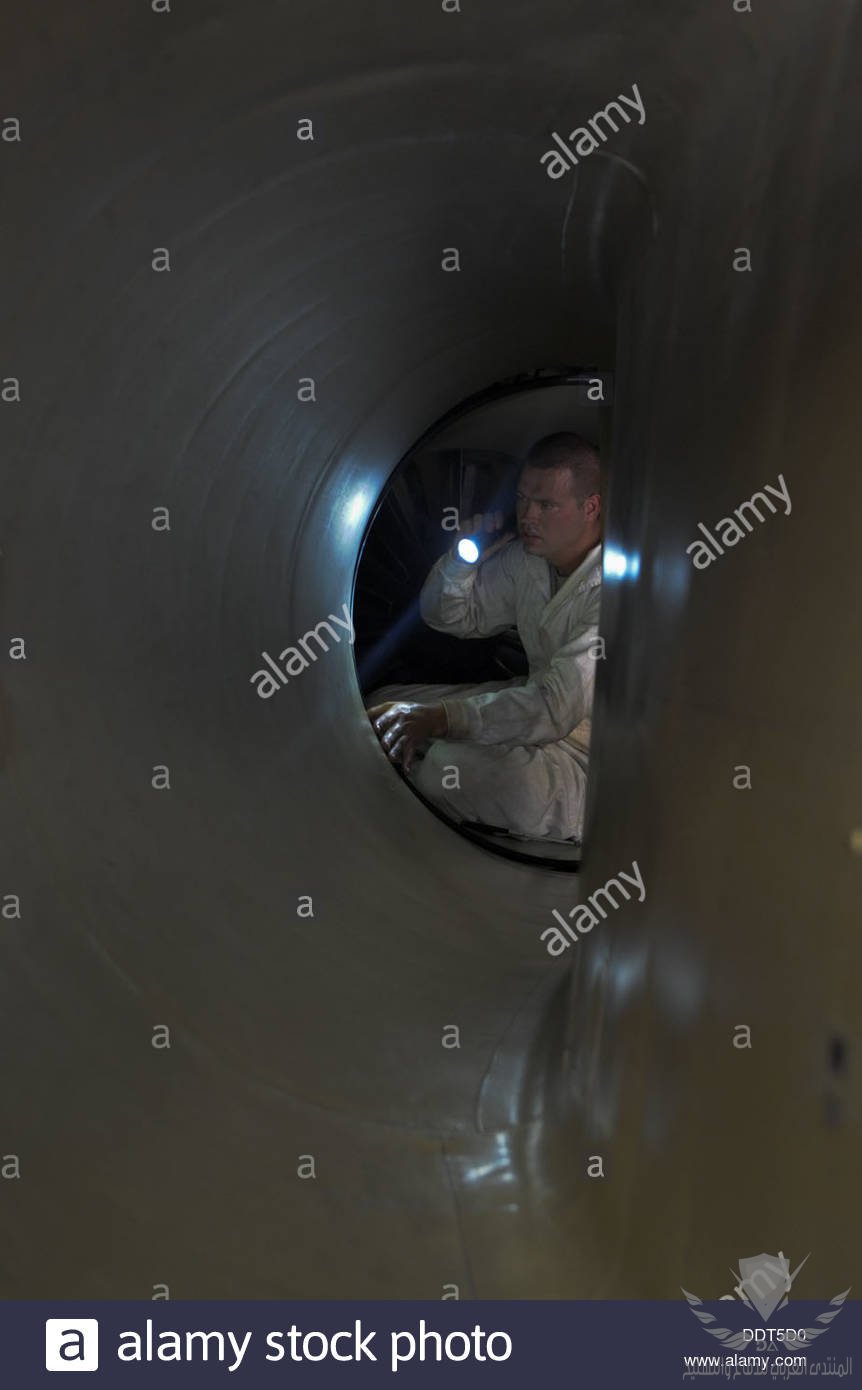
{"points": [[569, 450]]}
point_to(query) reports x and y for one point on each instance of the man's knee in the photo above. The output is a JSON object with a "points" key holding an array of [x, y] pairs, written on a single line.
{"points": [[437, 775], [518, 788], [464, 779]]}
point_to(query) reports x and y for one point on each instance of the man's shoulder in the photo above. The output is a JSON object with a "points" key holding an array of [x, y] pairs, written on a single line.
{"points": [[588, 575], [581, 595], [593, 569]]}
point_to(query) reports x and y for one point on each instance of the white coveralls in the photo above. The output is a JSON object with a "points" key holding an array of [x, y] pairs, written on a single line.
{"points": [[520, 746]]}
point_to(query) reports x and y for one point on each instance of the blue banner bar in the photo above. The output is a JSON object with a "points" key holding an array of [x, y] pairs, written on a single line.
{"points": [[405, 1344]]}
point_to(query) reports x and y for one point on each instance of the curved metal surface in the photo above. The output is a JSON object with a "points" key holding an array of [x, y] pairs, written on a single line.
{"points": [[295, 1035]]}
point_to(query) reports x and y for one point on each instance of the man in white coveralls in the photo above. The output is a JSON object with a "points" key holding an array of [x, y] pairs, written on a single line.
{"points": [[514, 753]]}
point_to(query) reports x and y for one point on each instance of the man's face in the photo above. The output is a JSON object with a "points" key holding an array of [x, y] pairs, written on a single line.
{"points": [[551, 522]]}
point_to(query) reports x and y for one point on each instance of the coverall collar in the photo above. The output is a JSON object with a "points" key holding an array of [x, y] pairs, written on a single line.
{"points": [[587, 574]]}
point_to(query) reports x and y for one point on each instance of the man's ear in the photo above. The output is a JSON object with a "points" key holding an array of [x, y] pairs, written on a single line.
{"points": [[593, 506]]}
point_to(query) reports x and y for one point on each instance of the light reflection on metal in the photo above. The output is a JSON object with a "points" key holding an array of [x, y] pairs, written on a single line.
{"points": [[499, 1167], [357, 509], [627, 973], [619, 565]]}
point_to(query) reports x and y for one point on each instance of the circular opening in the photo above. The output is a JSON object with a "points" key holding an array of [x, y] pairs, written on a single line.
{"points": [[467, 466]]}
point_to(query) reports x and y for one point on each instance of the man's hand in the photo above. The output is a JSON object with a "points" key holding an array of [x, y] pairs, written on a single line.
{"points": [[402, 727], [483, 525]]}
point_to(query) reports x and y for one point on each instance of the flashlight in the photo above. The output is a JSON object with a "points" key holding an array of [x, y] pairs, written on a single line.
{"points": [[468, 550]]}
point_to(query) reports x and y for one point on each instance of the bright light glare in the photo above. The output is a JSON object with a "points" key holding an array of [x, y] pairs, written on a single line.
{"points": [[469, 551], [356, 508], [619, 564]]}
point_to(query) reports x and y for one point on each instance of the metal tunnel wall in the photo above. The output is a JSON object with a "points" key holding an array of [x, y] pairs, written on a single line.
{"points": [[143, 906]]}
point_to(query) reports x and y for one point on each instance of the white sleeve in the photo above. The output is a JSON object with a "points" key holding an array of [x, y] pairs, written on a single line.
{"points": [[471, 600], [547, 707]]}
